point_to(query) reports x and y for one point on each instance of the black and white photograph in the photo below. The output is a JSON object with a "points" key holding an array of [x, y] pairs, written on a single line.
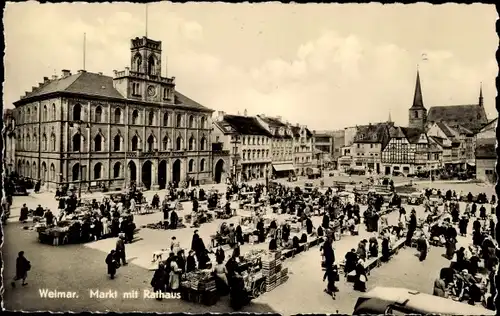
{"points": [[259, 158]]}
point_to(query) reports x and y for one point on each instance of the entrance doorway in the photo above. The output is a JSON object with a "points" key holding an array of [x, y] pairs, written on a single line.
{"points": [[146, 174], [176, 172], [162, 174], [387, 170], [219, 170], [132, 172]]}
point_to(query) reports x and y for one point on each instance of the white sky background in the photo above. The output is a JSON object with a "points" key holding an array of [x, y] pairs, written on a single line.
{"points": [[327, 66]]}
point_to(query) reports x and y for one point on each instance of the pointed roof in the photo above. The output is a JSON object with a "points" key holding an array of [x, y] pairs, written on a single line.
{"points": [[481, 95], [418, 101]]}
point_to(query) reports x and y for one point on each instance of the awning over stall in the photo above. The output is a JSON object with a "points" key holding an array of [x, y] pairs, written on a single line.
{"points": [[283, 167]]}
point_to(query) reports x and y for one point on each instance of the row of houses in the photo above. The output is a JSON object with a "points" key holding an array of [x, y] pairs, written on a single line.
{"points": [[261, 146]]}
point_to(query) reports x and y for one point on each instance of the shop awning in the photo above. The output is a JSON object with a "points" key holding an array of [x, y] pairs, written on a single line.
{"points": [[283, 167]]}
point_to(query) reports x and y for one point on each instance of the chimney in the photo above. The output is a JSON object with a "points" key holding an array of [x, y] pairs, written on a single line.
{"points": [[99, 73], [45, 79], [33, 89], [40, 84], [245, 113], [115, 72], [80, 71], [65, 73], [54, 77]]}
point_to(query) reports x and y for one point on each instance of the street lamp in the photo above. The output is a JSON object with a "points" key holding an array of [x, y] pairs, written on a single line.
{"points": [[78, 125]]}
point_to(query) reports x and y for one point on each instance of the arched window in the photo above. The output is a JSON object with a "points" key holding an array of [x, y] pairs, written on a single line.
{"points": [[191, 143], [98, 143], [77, 139], [203, 122], [77, 112], [54, 113], [116, 170], [178, 120], [138, 62], [97, 171], [34, 171], [135, 117], [151, 120], [243, 154], [52, 172], [416, 114], [178, 143], [191, 121], [53, 142], [76, 172], [98, 114], [34, 145], [118, 116], [203, 144], [151, 143], [165, 144], [151, 65], [44, 142], [202, 165], [135, 143], [191, 165], [43, 172], [165, 119], [44, 115], [117, 143], [28, 115], [35, 115]]}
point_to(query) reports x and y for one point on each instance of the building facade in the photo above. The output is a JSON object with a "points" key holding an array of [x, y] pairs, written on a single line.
{"points": [[9, 141], [94, 130], [282, 145], [485, 153], [303, 149], [248, 142]]}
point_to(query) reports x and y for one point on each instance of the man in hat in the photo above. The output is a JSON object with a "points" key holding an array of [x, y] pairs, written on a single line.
{"points": [[120, 249]]}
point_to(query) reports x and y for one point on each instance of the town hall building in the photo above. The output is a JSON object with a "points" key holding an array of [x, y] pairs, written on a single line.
{"points": [[93, 130]]}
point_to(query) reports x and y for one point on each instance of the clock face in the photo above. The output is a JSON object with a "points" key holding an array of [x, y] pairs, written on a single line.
{"points": [[151, 91]]}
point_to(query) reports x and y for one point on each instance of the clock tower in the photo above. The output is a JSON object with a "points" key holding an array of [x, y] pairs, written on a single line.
{"points": [[143, 80]]}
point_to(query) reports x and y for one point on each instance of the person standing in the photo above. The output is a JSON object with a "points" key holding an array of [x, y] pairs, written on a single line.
{"points": [[112, 264], [158, 281], [22, 268], [174, 277], [412, 226], [120, 250], [422, 247]]}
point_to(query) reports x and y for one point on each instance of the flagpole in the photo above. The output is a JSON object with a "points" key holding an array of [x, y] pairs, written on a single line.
{"points": [[84, 48], [146, 20]]}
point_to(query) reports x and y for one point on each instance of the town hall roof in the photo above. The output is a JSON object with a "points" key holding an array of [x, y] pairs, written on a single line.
{"points": [[373, 133], [92, 85]]}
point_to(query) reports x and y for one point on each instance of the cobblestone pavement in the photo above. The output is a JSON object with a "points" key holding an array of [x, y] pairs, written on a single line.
{"points": [[81, 267]]}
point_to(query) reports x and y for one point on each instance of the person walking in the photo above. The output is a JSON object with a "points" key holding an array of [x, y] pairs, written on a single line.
{"points": [[120, 250], [22, 268], [111, 263]]}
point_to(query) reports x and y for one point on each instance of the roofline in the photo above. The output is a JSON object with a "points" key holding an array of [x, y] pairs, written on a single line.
{"points": [[222, 130], [114, 99]]}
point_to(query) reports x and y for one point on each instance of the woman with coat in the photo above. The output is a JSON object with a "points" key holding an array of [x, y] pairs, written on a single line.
{"points": [[158, 281], [239, 235], [361, 279], [174, 276], [111, 263], [190, 262]]}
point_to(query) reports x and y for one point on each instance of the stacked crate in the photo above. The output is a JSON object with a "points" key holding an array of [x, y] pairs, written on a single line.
{"points": [[271, 269]]}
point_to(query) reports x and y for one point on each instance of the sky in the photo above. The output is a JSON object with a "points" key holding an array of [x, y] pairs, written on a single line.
{"points": [[326, 66]]}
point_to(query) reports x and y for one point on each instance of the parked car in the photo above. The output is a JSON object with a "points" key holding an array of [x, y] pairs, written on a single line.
{"points": [[415, 198]]}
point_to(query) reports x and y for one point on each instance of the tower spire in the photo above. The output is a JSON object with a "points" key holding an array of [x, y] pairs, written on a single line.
{"points": [[390, 118], [481, 95], [418, 101]]}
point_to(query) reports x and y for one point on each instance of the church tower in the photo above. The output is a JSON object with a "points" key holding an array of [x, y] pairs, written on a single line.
{"points": [[146, 56], [418, 113]]}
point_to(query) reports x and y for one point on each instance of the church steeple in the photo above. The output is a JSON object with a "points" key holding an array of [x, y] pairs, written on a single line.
{"points": [[418, 101], [418, 113], [481, 95]]}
